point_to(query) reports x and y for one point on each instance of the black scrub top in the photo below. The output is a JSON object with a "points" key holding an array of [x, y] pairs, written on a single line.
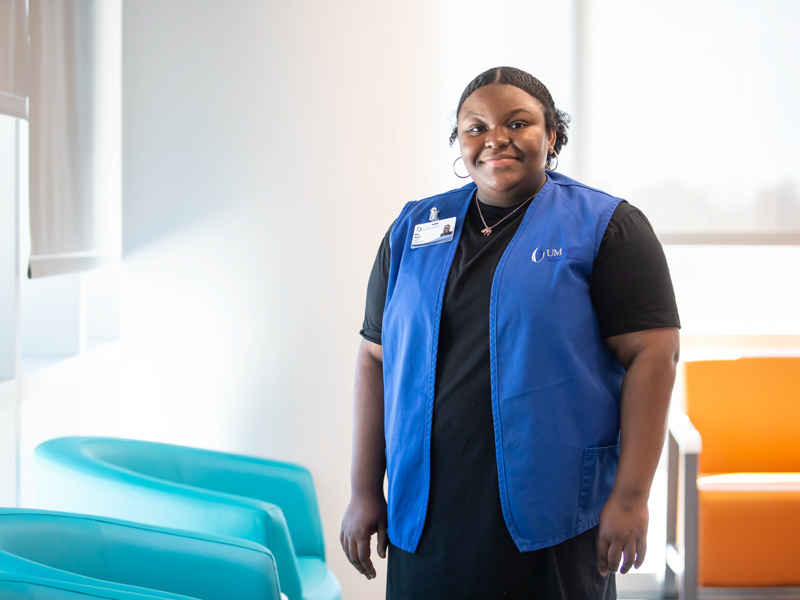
{"points": [[466, 550]]}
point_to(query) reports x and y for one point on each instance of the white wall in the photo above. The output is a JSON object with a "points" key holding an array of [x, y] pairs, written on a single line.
{"points": [[267, 148], [8, 308]]}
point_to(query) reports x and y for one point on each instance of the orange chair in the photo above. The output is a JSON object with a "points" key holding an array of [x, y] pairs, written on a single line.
{"points": [[742, 515]]}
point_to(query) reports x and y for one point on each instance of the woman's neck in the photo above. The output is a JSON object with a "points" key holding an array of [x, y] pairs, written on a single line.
{"points": [[510, 197]]}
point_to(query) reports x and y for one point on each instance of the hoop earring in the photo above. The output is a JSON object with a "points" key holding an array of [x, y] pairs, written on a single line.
{"points": [[456, 172], [546, 163]]}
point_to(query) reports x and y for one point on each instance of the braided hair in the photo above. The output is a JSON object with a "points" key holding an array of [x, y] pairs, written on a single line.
{"points": [[555, 119]]}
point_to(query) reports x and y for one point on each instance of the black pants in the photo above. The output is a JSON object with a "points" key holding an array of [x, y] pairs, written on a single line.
{"points": [[566, 571]]}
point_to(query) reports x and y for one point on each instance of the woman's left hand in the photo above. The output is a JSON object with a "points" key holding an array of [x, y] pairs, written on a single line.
{"points": [[649, 358], [623, 530]]}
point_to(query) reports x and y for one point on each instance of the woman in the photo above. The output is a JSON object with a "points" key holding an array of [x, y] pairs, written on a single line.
{"points": [[517, 376]]}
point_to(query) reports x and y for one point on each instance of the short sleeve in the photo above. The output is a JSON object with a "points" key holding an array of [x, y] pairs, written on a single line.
{"points": [[631, 288], [376, 292]]}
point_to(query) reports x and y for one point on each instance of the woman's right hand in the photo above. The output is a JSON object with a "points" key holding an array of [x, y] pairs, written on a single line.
{"points": [[365, 515]]}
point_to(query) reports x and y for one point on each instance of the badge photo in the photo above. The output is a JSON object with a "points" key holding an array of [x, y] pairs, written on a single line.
{"points": [[435, 232]]}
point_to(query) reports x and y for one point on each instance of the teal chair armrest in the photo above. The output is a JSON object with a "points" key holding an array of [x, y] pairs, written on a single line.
{"points": [[85, 550], [26, 587], [286, 485], [289, 487]]}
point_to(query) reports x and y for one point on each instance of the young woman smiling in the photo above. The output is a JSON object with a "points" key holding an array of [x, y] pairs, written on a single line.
{"points": [[514, 378]]}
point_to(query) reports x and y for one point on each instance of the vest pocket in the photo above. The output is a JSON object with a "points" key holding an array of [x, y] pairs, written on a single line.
{"points": [[599, 472]]}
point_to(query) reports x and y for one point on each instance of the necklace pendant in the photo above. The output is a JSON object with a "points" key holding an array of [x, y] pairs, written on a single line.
{"points": [[486, 231]]}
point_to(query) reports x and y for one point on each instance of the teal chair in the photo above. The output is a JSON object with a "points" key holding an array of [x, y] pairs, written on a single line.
{"points": [[53, 554], [26, 587], [267, 502]]}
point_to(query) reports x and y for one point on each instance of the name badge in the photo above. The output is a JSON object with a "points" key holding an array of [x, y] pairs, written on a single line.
{"points": [[437, 232]]}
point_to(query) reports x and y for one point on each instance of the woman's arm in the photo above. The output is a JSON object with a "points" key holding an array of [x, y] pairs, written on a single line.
{"points": [[366, 513], [650, 358]]}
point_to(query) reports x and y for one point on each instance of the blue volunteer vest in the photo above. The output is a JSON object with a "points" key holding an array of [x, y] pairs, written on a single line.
{"points": [[555, 383]]}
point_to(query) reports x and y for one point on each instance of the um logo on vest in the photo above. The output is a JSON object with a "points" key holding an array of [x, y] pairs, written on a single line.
{"points": [[554, 254]]}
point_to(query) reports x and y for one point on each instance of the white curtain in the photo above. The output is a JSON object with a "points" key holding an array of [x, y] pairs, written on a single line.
{"points": [[75, 135], [14, 58], [67, 81]]}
